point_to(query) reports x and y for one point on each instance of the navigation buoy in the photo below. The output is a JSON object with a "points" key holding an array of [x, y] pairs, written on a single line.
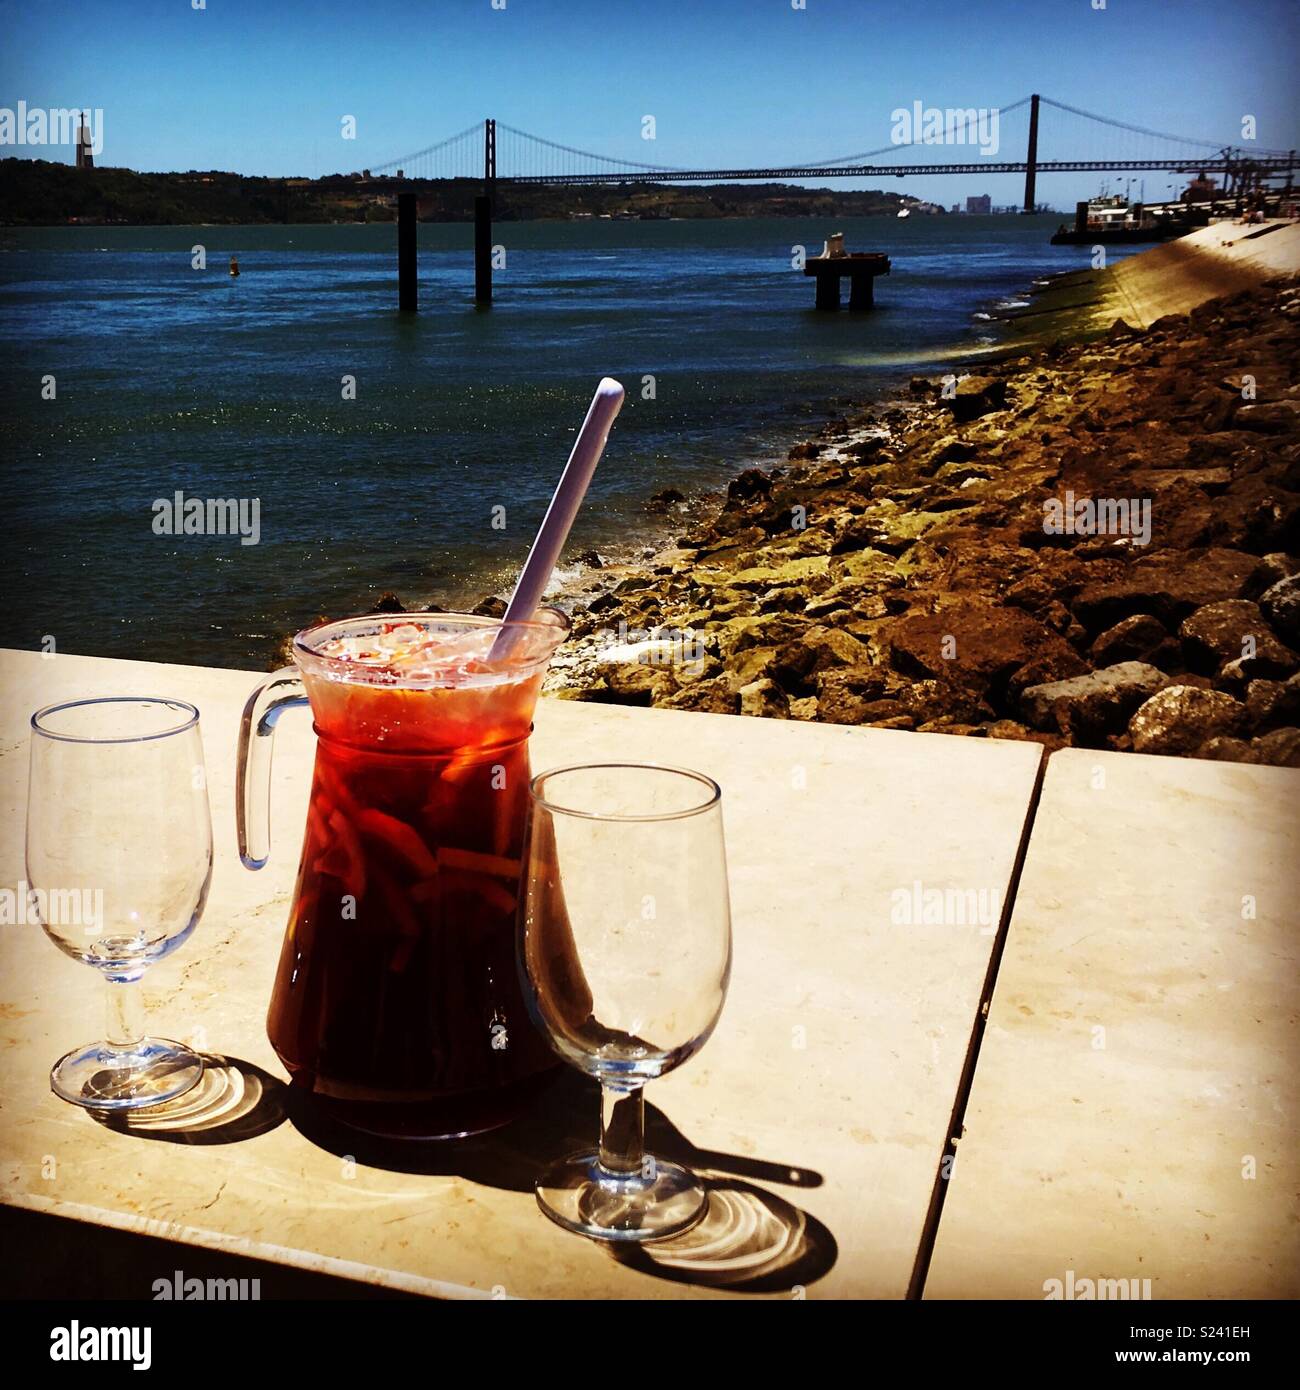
{"points": [[234, 267]]}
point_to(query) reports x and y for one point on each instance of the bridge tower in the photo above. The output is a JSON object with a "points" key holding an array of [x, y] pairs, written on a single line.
{"points": [[483, 217], [1031, 159], [85, 154]]}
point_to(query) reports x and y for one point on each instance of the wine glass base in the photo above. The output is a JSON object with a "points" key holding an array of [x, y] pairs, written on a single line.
{"points": [[580, 1195], [100, 1077]]}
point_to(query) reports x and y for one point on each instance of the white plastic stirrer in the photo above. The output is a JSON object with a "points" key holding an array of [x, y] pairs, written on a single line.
{"points": [[554, 530]]}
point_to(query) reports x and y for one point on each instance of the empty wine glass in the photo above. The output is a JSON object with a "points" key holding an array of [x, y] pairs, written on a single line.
{"points": [[119, 859], [626, 952]]}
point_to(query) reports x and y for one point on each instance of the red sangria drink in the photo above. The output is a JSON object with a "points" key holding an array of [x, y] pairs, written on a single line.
{"points": [[397, 1000]]}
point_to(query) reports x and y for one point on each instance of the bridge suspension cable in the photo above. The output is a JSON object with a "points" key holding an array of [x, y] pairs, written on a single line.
{"points": [[1216, 145], [459, 148], [893, 148], [518, 148]]}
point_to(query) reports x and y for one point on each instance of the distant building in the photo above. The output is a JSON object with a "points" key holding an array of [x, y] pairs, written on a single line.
{"points": [[85, 155], [956, 207], [981, 203]]}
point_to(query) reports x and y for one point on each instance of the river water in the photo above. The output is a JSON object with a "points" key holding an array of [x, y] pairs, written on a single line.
{"points": [[432, 481]]}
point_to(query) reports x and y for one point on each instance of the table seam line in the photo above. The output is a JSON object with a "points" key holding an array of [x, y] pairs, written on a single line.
{"points": [[934, 1211]]}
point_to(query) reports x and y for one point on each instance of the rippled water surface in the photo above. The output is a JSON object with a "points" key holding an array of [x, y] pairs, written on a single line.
{"points": [[168, 377]]}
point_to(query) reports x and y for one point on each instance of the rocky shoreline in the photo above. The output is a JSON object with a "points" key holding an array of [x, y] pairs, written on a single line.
{"points": [[1087, 546]]}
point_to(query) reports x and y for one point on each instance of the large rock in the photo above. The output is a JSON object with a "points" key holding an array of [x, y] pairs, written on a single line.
{"points": [[632, 683], [1255, 514], [663, 501], [869, 447], [845, 695], [1274, 568], [747, 666], [1224, 749], [1088, 706], [1181, 718], [953, 449], [707, 697], [855, 533], [976, 396], [891, 526], [1281, 606], [764, 697], [807, 569], [816, 650], [1270, 704], [1272, 417], [1060, 665], [753, 485], [930, 700], [1137, 638], [1281, 748], [756, 630], [1234, 633], [1271, 661], [1169, 585], [973, 643], [1218, 445], [958, 474]]}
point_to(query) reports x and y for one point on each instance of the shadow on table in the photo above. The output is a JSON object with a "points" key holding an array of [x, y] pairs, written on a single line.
{"points": [[233, 1101], [750, 1240]]}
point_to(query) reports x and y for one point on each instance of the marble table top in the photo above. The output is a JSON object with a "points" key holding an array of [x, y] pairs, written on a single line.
{"points": [[1136, 1099], [818, 1111]]}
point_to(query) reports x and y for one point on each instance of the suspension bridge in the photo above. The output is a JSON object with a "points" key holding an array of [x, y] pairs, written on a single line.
{"points": [[1057, 138], [503, 154]]}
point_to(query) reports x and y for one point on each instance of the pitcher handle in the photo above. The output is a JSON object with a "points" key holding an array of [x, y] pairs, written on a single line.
{"points": [[281, 690]]}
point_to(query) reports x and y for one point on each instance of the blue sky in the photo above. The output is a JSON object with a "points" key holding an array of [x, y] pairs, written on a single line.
{"points": [[261, 86]]}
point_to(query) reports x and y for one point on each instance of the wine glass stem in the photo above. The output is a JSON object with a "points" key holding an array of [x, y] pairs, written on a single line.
{"points": [[622, 1129], [125, 1015]]}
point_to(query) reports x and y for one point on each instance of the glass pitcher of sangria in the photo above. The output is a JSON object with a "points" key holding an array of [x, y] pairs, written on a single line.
{"points": [[397, 1000]]}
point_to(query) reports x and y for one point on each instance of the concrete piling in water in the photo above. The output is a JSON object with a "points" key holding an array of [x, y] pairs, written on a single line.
{"points": [[828, 292], [407, 277], [483, 249], [861, 292], [858, 268]]}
